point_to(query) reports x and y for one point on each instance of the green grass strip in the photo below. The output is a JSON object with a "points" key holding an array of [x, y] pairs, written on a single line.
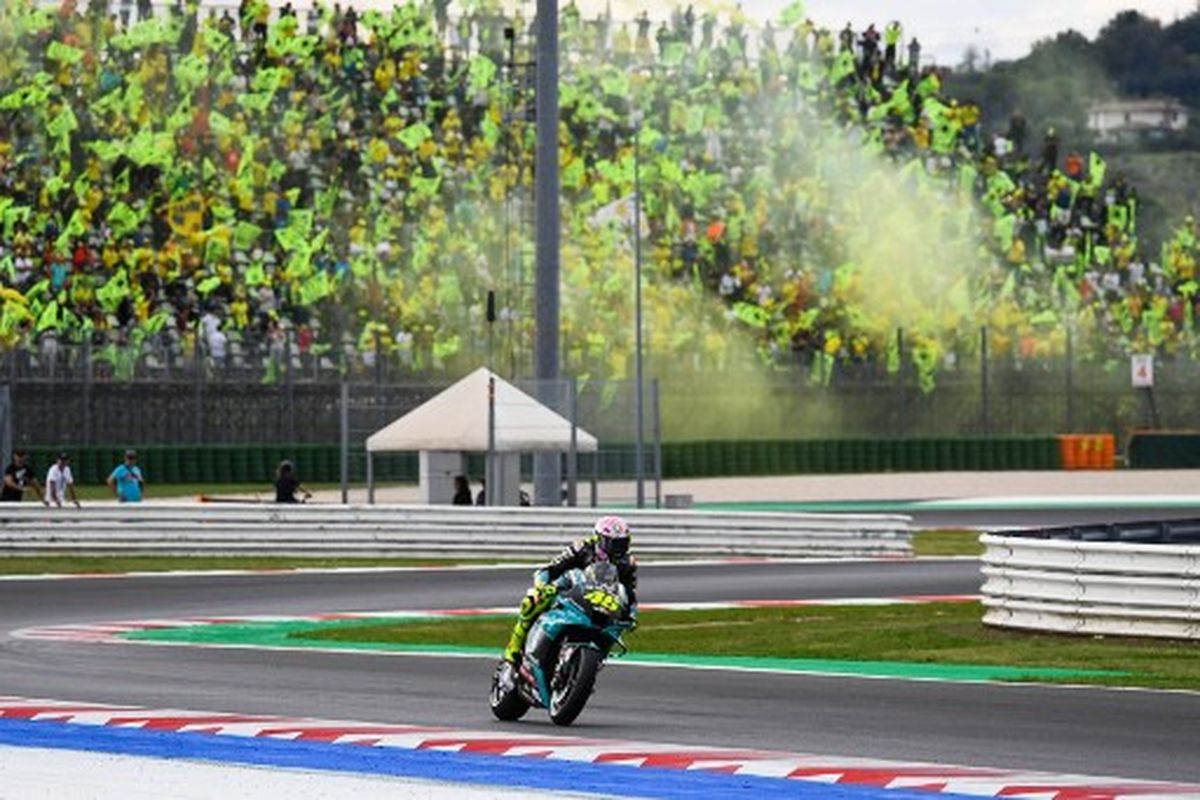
{"points": [[937, 641], [301, 634]]}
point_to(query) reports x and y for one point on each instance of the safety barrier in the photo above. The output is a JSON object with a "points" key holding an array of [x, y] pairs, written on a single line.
{"points": [[1164, 450], [1082, 586], [430, 531]]}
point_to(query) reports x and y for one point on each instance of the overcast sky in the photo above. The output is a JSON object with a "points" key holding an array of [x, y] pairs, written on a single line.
{"points": [[946, 28]]}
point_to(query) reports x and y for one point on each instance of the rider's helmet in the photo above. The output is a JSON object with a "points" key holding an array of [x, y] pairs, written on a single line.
{"points": [[611, 538]]}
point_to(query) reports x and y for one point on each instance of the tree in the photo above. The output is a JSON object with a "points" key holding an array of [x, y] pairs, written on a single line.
{"points": [[1131, 48]]}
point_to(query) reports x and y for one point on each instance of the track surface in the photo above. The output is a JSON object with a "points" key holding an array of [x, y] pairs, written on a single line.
{"points": [[1132, 734]]}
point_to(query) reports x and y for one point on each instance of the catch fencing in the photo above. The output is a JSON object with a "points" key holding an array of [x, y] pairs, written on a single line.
{"points": [[431, 531], [1140, 579], [279, 394]]}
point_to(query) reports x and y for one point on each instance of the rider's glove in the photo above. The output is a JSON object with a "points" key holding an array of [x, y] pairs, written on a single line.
{"points": [[541, 578]]}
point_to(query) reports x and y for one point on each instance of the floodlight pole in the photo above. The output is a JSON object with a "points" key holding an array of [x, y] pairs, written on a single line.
{"points": [[547, 479], [640, 448], [491, 486]]}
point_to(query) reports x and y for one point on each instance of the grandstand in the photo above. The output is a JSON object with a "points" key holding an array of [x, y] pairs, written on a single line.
{"points": [[178, 187]]}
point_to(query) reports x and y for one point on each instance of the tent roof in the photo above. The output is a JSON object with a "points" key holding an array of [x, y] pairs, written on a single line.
{"points": [[457, 420]]}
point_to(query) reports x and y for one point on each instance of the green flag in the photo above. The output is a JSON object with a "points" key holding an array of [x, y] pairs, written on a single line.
{"points": [[156, 323], [63, 123], [123, 219], [1003, 229], [255, 101], [674, 54], [315, 288], [191, 71], [415, 135], [752, 315], [49, 316], [208, 285], [75, 228], [64, 53], [1097, 169], [221, 125], [482, 73], [152, 148], [245, 234], [112, 293], [256, 275], [793, 15]]}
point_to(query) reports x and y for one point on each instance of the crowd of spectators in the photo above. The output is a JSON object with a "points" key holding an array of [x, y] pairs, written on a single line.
{"points": [[349, 186]]}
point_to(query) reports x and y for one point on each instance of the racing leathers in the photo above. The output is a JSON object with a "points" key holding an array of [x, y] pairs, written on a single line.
{"points": [[539, 598]]}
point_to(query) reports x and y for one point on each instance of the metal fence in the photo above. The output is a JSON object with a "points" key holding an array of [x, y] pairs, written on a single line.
{"points": [[281, 392]]}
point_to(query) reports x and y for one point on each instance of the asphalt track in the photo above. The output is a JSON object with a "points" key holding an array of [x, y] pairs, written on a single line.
{"points": [[1147, 735]]}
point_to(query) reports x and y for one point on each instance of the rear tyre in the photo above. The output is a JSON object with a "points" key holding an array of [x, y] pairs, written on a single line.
{"points": [[506, 701], [572, 684]]}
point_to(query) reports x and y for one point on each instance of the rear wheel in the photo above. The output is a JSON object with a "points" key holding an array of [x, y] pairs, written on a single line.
{"points": [[507, 703], [572, 684]]}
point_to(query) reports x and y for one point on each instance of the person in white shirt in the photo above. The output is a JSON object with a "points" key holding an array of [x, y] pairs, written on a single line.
{"points": [[60, 482]]}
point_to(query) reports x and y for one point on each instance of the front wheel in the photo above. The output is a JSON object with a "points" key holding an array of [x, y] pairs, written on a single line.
{"points": [[572, 684], [506, 700]]}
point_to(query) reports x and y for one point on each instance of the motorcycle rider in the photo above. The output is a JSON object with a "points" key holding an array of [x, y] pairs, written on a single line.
{"points": [[609, 542]]}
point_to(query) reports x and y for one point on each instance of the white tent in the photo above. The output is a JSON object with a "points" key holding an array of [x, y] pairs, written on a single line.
{"points": [[456, 422]]}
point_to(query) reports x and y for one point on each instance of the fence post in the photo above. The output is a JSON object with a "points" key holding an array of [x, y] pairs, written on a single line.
{"points": [[370, 478], [1070, 382], [288, 388], [6, 415], [656, 423], [344, 435], [596, 478], [903, 426], [198, 369], [573, 454], [87, 390], [984, 421], [378, 358]]}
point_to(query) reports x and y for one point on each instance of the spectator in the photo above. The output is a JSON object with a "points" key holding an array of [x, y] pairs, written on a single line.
{"points": [[126, 481], [60, 483], [18, 479], [462, 491], [286, 484]]}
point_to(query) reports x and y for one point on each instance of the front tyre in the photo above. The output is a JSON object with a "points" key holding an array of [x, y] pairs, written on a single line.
{"points": [[506, 700], [572, 684]]}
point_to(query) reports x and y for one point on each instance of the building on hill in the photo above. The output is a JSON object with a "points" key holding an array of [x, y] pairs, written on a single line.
{"points": [[1136, 120]]}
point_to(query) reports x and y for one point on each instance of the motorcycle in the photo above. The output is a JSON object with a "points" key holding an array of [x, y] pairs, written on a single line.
{"points": [[565, 649]]}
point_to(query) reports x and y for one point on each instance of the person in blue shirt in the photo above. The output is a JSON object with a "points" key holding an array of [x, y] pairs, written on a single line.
{"points": [[126, 480]]}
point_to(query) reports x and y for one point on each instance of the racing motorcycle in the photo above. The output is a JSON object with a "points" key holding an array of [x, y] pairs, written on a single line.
{"points": [[566, 648]]}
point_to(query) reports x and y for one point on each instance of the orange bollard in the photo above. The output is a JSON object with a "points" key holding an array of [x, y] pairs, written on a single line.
{"points": [[1066, 448], [1108, 451]]}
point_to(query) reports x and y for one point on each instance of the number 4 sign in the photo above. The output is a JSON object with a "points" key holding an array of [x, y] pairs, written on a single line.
{"points": [[1142, 367]]}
